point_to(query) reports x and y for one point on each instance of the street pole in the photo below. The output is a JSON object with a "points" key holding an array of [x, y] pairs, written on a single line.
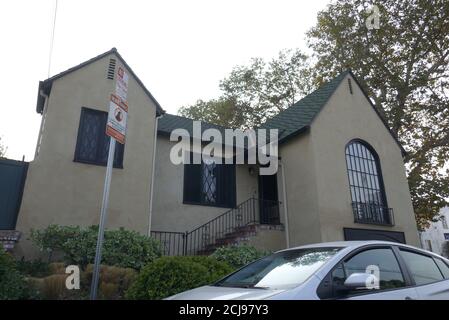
{"points": [[104, 210]]}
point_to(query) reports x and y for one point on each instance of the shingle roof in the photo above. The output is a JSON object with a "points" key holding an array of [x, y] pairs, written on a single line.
{"points": [[169, 122], [299, 116], [47, 84], [290, 122]]}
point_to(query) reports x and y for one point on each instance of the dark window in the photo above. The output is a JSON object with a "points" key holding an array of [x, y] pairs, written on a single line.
{"points": [[423, 268], [338, 276], [366, 184], [364, 174], [390, 273], [209, 183], [443, 267], [92, 145]]}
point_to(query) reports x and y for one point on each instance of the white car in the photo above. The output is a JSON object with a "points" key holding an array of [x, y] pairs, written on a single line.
{"points": [[335, 270]]}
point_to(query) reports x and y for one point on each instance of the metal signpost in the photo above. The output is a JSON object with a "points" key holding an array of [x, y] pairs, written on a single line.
{"points": [[116, 129]]}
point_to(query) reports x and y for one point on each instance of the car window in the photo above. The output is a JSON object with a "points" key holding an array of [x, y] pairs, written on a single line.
{"points": [[423, 268], [444, 268], [281, 270], [381, 259], [338, 276]]}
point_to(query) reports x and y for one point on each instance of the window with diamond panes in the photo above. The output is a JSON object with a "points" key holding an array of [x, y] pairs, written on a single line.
{"points": [[210, 184], [92, 144], [364, 175]]}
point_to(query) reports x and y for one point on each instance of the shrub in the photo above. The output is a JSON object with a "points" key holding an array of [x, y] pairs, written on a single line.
{"points": [[12, 284], [238, 256], [34, 268], [121, 248], [167, 276], [114, 282]]}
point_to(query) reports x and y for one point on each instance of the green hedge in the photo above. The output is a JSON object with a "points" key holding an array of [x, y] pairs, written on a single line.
{"points": [[167, 276], [121, 248], [238, 256], [12, 284], [33, 268]]}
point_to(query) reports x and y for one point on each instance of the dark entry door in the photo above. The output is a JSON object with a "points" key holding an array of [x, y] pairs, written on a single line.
{"points": [[12, 179], [268, 200]]}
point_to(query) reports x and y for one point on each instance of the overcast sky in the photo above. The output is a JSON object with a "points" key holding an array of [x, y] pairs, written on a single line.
{"points": [[179, 49]]}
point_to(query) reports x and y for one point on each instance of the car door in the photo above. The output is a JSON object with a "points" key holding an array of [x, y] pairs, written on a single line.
{"points": [[393, 283], [430, 274]]}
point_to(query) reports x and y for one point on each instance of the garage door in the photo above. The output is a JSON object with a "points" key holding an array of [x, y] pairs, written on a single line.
{"points": [[368, 234]]}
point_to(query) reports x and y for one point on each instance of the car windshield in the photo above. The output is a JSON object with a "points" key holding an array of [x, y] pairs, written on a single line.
{"points": [[282, 270]]}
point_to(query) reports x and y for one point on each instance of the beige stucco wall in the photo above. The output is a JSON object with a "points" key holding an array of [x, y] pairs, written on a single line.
{"points": [[169, 212], [301, 191], [60, 191], [319, 201], [345, 117], [270, 238]]}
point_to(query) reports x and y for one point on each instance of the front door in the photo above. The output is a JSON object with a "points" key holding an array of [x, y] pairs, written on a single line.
{"points": [[268, 199]]}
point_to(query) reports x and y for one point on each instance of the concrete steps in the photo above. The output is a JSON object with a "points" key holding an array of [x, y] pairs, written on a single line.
{"points": [[245, 234]]}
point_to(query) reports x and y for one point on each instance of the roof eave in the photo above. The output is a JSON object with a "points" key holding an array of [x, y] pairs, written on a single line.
{"points": [[294, 134], [403, 152], [45, 86]]}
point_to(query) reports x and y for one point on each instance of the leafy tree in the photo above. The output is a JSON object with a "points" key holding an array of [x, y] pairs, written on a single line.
{"points": [[222, 111], [404, 68], [2, 149], [404, 65], [253, 93]]}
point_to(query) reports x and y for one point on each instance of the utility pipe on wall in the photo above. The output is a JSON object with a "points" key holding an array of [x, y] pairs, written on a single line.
{"points": [[284, 198], [42, 126], [152, 173]]}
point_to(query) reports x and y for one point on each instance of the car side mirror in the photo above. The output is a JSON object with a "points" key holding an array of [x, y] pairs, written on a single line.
{"points": [[361, 281]]}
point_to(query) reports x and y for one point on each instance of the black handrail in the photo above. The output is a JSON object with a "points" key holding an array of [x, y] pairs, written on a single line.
{"points": [[206, 235], [227, 225], [372, 213], [172, 243]]}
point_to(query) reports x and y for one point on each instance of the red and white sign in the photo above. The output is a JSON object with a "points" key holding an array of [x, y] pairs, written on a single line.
{"points": [[121, 84], [117, 119], [118, 108]]}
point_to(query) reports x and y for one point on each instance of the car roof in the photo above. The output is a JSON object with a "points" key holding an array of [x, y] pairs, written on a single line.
{"points": [[353, 244], [357, 244]]}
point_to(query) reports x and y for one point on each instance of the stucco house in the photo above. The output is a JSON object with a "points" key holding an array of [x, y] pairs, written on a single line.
{"points": [[340, 176]]}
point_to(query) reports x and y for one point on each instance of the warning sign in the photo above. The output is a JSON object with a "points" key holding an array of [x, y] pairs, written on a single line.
{"points": [[121, 85], [117, 119]]}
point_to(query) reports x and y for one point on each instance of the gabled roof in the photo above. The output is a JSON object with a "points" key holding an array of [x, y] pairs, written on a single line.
{"points": [[169, 122], [298, 117], [289, 122], [46, 85]]}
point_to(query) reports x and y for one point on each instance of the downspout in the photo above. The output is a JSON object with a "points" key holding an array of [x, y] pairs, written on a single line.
{"points": [[284, 198], [41, 129], [152, 174]]}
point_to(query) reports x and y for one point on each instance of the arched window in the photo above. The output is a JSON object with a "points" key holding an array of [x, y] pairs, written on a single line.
{"points": [[366, 185]]}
